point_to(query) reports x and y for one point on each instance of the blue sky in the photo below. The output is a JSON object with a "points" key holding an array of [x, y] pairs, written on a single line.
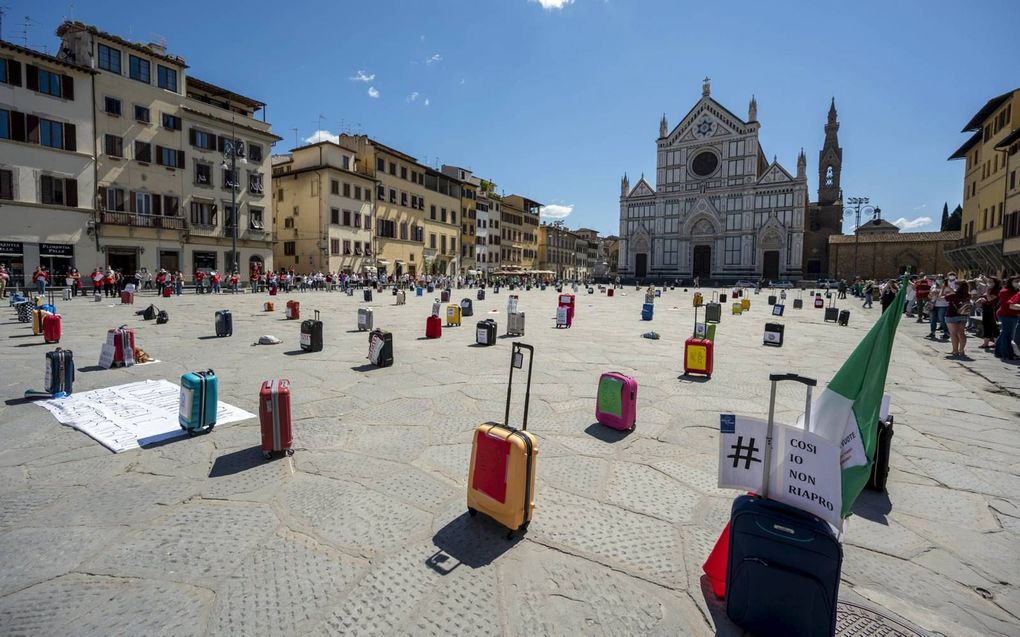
{"points": [[556, 99]]}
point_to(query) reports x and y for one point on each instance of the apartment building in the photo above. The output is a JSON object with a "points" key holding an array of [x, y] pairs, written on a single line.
{"points": [[399, 205], [519, 231], [989, 187], [324, 209], [587, 248], [166, 194], [442, 226], [47, 183], [469, 216], [556, 250], [487, 232]]}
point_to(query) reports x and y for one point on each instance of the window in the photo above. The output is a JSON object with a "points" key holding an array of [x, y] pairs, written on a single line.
{"points": [[171, 122], [288, 248], [255, 152], [403, 172], [442, 215], [170, 157], [403, 198], [203, 174], [334, 187], [58, 191], [171, 205], [50, 133], [202, 139], [6, 184], [143, 152], [393, 169], [334, 216], [112, 106], [113, 199], [255, 183], [347, 246], [357, 220], [49, 83], [109, 59], [5, 124], [138, 69], [432, 241], [403, 231], [357, 247], [357, 193], [334, 247], [453, 245], [143, 203], [141, 114], [166, 77], [732, 251], [368, 194], [733, 221], [345, 161], [347, 217], [380, 165], [229, 179], [386, 228], [380, 193], [393, 196], [453, 217], [288, 222], [203, 213], [432, 213], [113, 145], [347, 189]]}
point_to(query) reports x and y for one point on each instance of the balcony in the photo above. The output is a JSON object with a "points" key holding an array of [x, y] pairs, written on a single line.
{"points": [[142, 221]]}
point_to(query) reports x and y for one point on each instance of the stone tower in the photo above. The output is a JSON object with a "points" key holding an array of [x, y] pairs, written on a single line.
{"points": [[830, 162]]}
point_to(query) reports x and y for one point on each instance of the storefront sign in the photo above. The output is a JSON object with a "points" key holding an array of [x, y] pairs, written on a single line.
{"points": [[56, 250], [11, 247]]}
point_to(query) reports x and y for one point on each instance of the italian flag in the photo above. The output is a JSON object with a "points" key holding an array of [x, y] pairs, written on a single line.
{"points": [[846, 412]]}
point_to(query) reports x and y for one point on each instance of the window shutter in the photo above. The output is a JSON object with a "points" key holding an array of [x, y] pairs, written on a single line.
{"points": [[191, 136], [67, 87], [31, 77], [131, 200], [157, 205], [180, 159], [33, 128], [221, 143], [70, 140], [71, 193], [14, 72], [18, 126], [46, 185], [159, 155], [213, 142]]}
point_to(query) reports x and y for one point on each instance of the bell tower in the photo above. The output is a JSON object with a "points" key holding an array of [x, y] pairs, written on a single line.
{"points": [[830, 162]]}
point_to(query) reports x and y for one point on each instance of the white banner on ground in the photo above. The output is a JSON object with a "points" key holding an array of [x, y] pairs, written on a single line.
{"points": [[131, 416]]}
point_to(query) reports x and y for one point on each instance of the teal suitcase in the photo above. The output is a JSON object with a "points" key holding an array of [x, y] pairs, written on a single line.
{"points": [[197, 413]]}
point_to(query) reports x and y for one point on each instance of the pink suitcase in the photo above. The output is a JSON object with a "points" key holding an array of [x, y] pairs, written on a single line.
{"points": [[616, 402]]}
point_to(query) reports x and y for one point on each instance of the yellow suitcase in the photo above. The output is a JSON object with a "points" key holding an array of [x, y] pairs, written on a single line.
{"points": [[37, 321], [698, 300], [738, 307], [501, 478], [452, 315], [745, 304]]}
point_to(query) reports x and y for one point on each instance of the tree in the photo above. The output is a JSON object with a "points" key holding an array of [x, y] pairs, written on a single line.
{"points": [[945, 216], [955, 221]]}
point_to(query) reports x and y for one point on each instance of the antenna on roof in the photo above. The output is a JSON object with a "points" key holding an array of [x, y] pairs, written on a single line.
{"points": [[3, 12], [296, 144], [24, 29]]}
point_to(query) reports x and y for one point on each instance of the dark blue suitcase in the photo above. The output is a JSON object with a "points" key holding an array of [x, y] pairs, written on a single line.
{"points": [[59, 376]]}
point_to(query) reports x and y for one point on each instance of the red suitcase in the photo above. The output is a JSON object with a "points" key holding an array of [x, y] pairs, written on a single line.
{"points": [[433, 327], [293, 310], [167, 292], [274, 417], [122, 336], [51, 328], [127, 298], [272, 291]]}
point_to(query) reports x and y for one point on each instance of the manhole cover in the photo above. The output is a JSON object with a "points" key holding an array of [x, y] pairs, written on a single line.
{"points": [[853, 620]]}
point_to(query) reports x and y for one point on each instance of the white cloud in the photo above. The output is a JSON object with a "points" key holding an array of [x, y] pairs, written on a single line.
{"points": [[909, 224], [550, 5], [413, 96], [421, 38], [361, 76], [556, 211], [435, 57], [921, 207], [373, 92], [427, 102], [322, 136]]}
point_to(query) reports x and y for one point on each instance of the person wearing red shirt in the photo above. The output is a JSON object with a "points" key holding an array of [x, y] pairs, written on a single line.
{"points": [[922, 290], [200, 282], [1009, 296], [234, 281], [214, 280]]}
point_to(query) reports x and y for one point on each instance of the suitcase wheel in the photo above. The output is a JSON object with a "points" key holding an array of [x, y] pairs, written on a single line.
{"points": [[290, 452], [266, 455], [472, 512]]}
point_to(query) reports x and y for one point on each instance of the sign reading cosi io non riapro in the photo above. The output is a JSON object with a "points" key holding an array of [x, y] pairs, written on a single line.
{"points": [[806, 473]]}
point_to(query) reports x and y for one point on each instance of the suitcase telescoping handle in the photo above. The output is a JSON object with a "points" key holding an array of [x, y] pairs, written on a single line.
{"points": [[775, 379], [316, 315], [517, 360]]}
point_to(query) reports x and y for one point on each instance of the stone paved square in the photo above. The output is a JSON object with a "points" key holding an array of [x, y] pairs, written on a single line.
{"points": [[364, 529]]}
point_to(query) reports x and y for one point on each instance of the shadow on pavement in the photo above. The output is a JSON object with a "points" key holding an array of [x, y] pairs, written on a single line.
{"points": [[298, 352], [606, 434], [367, 367], [18, 401], [473, 541], [874, 506], [690, 378], [34, 344], [209, 337], [717, 609], [91, 368], [237, 461]]}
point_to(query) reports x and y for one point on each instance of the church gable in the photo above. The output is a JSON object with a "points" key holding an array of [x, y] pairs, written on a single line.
{"points": [[642, 189], [706, 120], [775, 174]]}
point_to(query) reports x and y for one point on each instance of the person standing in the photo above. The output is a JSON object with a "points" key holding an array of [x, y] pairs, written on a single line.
{"points": [[911, 295], [869, 294], [937, 297], [214, 281], [1007, 318], [108, 283], [958, 310], [39, 279], [989, 304], [922, 292], [4, 278], [888, 295]]}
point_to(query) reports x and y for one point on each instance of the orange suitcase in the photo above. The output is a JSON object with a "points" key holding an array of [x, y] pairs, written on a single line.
{"points": [[501, 479]]}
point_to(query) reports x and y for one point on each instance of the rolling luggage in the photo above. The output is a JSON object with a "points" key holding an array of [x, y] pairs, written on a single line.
{"points": [[24, 310], [481, 294], [380, 348], [647, 311], [431, 288], [466, 308], [268, 306], [698, 299], [418, 291], [772, 299], [774, 334], [844, 318], [616, 402], [275, 418], [59, 374], [738, 308], [777, 309], [698, 353], [515, 324], [501, 477], [722, 298], [798, 304], [167, 292], [67, 294], [745, 304], [367, 295], [122, 342], [127, 298], [831, 314], [485, 332], [591, 290], [197, 413], [563, 316], [37, 320], [452, 314], [611, 292], [433, 327], [444, 296], [880, 463], [401, 297], [365, 319], [97, 297], [778, 554], [224, 323], [394, 291], [734, 294], [51, 328], [293, 310], [713, 313], [311, 334], [272, 290], [819, 303]]}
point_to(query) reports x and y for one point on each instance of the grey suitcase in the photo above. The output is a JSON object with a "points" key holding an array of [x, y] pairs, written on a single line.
{"points": [[515, 324]]}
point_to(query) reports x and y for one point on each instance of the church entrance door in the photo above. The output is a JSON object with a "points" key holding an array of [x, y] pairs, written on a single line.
{"points": [[770, 270], [703, 261], [641, 265]]}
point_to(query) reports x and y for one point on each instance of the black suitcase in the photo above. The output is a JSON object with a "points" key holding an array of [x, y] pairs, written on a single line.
{"points": [[394, 290], [485, 332], [481, 295], [713, 313], [778, 309], [784, 564], [444, 296], [311, 333], [723, 299], [880, 464], [224, 323], [368, 295], [831, 314], [798, 304], [844, 318], [380, 348], [772, 300], [59, 371], [466, 308], [774, 334]]}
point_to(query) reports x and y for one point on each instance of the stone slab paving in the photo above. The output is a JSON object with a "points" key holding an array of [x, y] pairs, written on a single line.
{"points": [[364, 530]]}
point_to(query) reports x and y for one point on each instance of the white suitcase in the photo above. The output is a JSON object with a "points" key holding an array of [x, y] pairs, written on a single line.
{"points": [[515, 324], [364, 318]]}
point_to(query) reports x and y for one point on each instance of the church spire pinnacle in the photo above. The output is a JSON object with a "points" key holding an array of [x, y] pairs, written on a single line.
{"points": [[832, 111], [752, 110], [663, 126], [802, 165], [706, 87]]}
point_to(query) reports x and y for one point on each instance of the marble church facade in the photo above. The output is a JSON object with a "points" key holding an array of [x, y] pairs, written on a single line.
{"points": [[719, 209]]}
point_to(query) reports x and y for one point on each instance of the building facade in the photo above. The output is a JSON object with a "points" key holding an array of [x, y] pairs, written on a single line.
{"points": [[324, 210], [720, 210], [588, 253], [825, 215], [487, 231], [47, 179], [881, 251], [165, 194], [519, 232], [989, 185], [556, 250], [1011, 221], [442, 225], [469, 217]]}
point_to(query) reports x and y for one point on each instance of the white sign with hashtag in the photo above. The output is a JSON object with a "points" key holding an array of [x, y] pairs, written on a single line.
{"points": [[741, 452]]}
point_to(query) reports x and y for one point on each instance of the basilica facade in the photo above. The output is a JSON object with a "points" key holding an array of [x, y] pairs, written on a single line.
{"points": [[719, 210]]}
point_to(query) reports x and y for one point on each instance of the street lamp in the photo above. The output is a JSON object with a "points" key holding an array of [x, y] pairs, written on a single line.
{"points": [[233, 149], [858, 205]]}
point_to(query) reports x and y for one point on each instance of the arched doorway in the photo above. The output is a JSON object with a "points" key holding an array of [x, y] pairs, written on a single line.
{"points": [[770, 250], [641, 265], [702, 261]]}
